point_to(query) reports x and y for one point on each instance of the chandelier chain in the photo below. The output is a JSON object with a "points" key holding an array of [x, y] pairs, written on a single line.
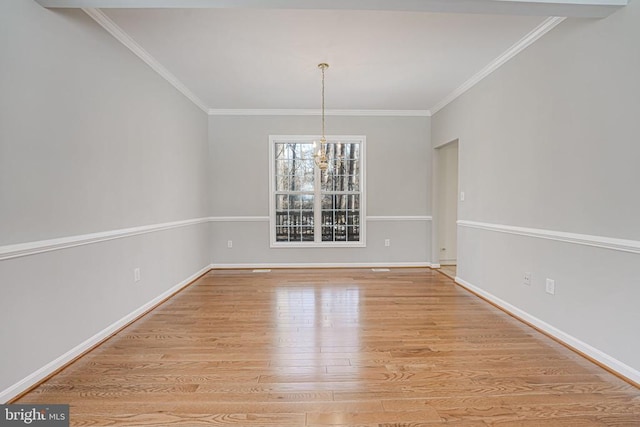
{"points": [[323, 68], [320, 157]]}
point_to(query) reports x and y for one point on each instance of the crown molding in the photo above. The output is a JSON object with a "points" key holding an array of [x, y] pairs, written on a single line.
{"points": [[317, 112], [542, 29], [124, 38], [573, 8]]}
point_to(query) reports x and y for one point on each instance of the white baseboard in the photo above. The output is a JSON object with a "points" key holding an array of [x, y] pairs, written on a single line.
{"points": [[573, 342], [51, 367], [323, 265]]}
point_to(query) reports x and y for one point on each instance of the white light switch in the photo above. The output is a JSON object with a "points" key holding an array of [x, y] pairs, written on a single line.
{"points": [[462, 196], [551, 286], [229, 244]]}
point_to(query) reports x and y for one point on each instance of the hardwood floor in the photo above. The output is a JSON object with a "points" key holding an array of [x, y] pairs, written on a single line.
{"points": [[335, 348], [449, 270]]}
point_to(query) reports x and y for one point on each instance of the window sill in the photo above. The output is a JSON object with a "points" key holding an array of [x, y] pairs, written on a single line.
{"points": [[314, 245]]}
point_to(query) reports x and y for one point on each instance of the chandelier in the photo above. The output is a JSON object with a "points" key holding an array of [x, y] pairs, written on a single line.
{"points": [[320, 157]]}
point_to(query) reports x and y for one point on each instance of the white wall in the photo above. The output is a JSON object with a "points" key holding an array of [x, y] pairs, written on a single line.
{"points": [[398, 183], [550, 142], [91, 140]]}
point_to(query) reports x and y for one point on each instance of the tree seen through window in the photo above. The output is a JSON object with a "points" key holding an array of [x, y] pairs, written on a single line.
{"points": [[312, 205]]}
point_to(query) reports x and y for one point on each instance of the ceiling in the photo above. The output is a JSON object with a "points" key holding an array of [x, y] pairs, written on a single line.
{"points": [[254, 58], [267, 59]]}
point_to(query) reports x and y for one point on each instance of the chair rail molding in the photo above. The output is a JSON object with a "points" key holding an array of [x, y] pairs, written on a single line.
{"points": [[623, 245], [239, 219], [400, 218], [41, 246]]}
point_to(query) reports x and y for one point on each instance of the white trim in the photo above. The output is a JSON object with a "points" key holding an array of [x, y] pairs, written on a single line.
{"points": [[434, 265], [321, 265], [239, 218], [32, 248], [368, 218], [574, 8], [546, 26], [124, 38], [573, 342], [318, 245], [311, 139], [37, 376], [400, 218], [623, 245], [317, 112], [42, 246]]}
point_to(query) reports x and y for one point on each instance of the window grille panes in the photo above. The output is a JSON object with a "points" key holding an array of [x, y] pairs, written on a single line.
{"points": [[310, 206]]}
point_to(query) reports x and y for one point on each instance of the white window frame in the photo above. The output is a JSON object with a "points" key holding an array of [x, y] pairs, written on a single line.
{"points": [[318, 243]]}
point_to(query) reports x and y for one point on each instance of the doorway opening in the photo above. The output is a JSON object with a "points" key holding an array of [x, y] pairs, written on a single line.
{"points": [[447, 207]]}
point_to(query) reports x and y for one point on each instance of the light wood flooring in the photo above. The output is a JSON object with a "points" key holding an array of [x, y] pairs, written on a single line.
{"points": [[449, 270], [341, 347]]}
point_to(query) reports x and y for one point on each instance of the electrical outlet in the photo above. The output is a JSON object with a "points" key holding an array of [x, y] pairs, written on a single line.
{"points": [[527, 279], [229, 244], [387, 242], [136, 274], [551, 286]]}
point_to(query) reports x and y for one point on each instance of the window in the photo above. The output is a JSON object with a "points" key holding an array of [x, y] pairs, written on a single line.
{"points": [[317, 208]]}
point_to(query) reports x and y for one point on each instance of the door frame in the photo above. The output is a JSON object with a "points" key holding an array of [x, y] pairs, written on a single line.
{"points": [[436, 191]]}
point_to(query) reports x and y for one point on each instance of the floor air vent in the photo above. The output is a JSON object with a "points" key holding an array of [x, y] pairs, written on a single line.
{"points": [[379, 270], [261, 270]]}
